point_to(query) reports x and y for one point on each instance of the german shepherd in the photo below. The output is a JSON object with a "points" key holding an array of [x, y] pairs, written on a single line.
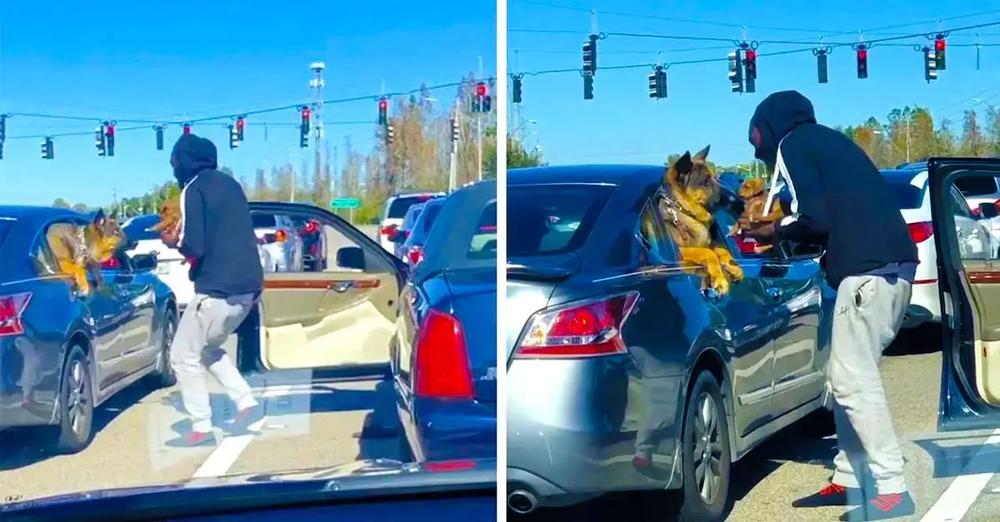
{"points": [[79, 249], [693, 187]]}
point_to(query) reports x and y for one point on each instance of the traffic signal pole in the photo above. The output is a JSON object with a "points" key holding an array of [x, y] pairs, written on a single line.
{"points": [[479, 129], [453, 164]]}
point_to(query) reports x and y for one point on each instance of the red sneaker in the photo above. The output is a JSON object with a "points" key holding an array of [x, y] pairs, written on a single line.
{"points": [[832, 495], [883, 507]]}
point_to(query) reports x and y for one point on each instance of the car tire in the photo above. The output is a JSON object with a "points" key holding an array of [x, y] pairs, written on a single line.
{"points": [[163, 375], [76, 404], [706, 453]]}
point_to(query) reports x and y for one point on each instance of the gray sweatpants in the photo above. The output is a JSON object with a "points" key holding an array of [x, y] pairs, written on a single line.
{"points": [[197, 350], [868, 314]]}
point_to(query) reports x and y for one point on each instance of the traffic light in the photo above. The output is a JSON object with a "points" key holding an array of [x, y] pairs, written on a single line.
{"points": [[658, 83], [516, 87], [588, 86], [750, 61], [590, 54], [862, 61], [234, 137], [100, 141], [939, 45], [241, 123], [159, 137], [821, 65], [187, 128], [455, 134], [389, 134], [487, 104], [48, 151], [109, 133], [383, 111], [481, 101], [304, 127], [930, 64], [736, 70]]}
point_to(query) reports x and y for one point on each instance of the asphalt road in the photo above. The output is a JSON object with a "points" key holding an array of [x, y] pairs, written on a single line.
{"points": [[943, 469], [306, 427]]}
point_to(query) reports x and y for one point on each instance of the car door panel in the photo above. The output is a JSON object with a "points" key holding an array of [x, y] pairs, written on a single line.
{"points": [[969, 288]]}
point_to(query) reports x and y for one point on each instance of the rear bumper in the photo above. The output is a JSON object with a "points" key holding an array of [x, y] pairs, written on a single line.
{"points": [[575, 426], [925, 305], [440, 430]]}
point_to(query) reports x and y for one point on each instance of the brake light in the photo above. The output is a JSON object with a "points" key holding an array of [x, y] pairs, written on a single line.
{"points": [[416, 255], [442, 366], [11, 309], [280, 236], [746, 245], [311, 228], [450, 465], [586, 329], [921, 231], [111, 264], [390, 230]]}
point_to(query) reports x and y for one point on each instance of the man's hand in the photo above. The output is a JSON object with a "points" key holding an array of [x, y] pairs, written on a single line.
{"points": [[763, 233], [170, 237]]}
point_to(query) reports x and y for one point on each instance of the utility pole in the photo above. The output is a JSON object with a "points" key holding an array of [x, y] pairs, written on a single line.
{"points": [[479, 129], [317, 85]]}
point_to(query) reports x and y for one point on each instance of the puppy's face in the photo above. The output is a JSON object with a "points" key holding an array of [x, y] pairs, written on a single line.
{"points": [[170, 215], [696, 177], [108, 237], [751, 187]]}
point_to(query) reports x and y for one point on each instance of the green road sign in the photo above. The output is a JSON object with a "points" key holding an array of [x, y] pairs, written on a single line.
{"points": [[345, 203]]}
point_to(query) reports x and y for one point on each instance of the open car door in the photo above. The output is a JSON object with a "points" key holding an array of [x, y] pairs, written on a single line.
{"points": [[969, 283], [336, 315]]}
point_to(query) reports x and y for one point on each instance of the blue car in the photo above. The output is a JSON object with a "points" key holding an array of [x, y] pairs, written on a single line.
{"points": [[63, 354], [413, 247], [444, 358]]}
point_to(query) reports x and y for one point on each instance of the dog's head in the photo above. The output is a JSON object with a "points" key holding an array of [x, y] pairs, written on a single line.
{"points": [[106, 237], [695, 177], [751, 187]]}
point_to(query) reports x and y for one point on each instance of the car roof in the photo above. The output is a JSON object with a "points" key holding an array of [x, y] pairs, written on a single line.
{"points": [[28, 212], [908, 176], [619, 175]]}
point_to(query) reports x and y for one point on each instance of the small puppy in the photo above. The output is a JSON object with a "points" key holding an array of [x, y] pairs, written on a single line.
{"points": [[170, 215], [754, 196]]}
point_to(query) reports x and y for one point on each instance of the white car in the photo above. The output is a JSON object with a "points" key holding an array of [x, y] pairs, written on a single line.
{"points": [[281, 246], [909, 186], [395, 211], [170, 266]]}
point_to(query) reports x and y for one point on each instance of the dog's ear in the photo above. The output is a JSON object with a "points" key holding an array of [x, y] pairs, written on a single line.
{"points": [[703, 153], [683, 164], [100, 218]]}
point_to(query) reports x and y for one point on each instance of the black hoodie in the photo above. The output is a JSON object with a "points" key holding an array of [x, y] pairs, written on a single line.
{"points": [[843, 201], [217, 234]]}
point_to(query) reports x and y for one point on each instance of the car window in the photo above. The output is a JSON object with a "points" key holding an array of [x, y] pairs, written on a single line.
{"points": [[959, 205], [305, 243], [261, 220], [429, 216], [483, 244], [552, 219], [906, 195], [977, 186], [44, 259], [977, 239], [138, 229], [399, 205], [5, 227], [653, 238]]}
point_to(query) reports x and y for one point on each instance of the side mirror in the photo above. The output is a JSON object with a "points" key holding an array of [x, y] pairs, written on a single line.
{"points": [[351, 258], [144, 262], [988, 210]]}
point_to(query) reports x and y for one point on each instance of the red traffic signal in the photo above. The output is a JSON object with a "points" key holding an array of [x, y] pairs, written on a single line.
{"points": [[862, 61], [481, 89], [187, 128], [939, 43], [110, 130], [240, 122], [306, 114], [383, 104]]}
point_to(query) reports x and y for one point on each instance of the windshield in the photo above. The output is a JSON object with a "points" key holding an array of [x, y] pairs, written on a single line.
{"points": [[905, 194], [552, 219], [399, 205], [256, 336]]}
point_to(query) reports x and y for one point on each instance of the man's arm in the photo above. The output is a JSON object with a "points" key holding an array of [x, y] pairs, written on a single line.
{"points": [[192, 235], [812, 223]]}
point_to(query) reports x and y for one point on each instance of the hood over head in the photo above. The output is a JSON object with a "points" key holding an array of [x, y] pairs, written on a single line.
{"points": [[191, 155], [775, 117]]}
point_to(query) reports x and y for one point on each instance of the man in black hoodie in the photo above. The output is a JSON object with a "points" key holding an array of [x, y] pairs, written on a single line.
{"points": [[840, 201], [217, 237]]}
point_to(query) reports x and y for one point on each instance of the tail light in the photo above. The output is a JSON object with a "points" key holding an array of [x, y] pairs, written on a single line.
{"points": [[390, 231], [591, 328], [746, 245], [280, 236], [442, 365], [111, 264], [311, 228], [921, 231], [11, 309], [415, 255]]}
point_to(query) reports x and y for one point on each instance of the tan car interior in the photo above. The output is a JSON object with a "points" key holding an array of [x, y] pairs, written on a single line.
{"points": [[983, 280], [337, 317]]}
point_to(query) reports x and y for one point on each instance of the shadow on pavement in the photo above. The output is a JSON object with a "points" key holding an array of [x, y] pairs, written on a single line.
{"points": [[24, 446], [952, 457], [925, 338]]}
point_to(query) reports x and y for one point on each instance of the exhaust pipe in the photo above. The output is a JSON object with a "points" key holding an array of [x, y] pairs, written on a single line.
{"points": [[522, 501]]}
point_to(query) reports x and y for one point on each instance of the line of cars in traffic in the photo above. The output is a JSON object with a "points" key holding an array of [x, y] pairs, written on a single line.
{"points": [[334, 301]]}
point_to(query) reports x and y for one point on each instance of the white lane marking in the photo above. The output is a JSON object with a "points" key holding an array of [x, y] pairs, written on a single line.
{"points": [[963, 491], [226, 453]]}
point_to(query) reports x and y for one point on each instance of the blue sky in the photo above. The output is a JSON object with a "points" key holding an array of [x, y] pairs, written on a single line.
{"points": [[185, 59], [623, 125]]}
